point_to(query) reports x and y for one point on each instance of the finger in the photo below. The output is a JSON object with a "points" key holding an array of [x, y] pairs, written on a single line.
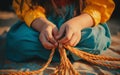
{"points": [[55, 32], [45, 43], [50, 37], [67, 36], [61, 32], [78, 40], [73, 40]]}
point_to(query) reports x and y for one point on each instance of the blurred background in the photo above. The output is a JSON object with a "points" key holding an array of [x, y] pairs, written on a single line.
{"points": [[8, 18]]}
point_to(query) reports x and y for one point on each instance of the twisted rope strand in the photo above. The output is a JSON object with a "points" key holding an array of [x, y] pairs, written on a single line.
{"points": [[91, 56], [31, 72], [66, 68], [91, 60], [103, 63]]}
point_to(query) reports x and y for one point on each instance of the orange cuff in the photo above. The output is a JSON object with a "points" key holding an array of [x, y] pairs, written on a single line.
{"points": [[33, 14]]}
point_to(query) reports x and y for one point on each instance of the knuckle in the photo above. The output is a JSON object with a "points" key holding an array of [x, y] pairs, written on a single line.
{"points": [[50, 38], [44, 44], [47, 46], [46, 31], [70, 43], [67, 38], [74, 44]]}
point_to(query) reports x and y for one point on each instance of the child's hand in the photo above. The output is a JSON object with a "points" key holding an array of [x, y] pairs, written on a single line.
{"points": [[48, 31], [69, 34]]}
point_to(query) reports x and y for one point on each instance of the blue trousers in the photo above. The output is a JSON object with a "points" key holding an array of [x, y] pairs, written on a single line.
{"points": [[23, 43]]}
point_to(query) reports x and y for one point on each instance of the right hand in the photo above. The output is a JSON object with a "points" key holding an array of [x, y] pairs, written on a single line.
{"points": [[47, 36], [48, 32]]}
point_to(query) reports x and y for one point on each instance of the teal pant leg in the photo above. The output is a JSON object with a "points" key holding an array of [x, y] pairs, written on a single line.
{"points": [[94, 40], [23, 43]]}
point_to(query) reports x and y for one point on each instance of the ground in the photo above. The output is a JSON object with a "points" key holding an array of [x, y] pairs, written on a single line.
{"points": [[8, 19]]}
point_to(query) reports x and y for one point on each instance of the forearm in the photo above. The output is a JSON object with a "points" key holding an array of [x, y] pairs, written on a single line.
{"points": [[39, 23], [82, 21]]}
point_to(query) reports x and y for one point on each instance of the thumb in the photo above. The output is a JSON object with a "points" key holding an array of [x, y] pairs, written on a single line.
{"points": [[55, 32], [61, 32]]}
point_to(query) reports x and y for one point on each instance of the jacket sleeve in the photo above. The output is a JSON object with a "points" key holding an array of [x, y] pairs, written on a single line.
{"points": [[26, 13], [99, 10]]}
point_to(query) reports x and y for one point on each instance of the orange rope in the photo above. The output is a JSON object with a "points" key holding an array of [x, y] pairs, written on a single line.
{"points": [[95, 59], [4, 72], [65, 67]]}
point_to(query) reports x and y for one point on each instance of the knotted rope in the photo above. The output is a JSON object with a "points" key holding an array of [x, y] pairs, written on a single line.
{"points": [[65, 67]]}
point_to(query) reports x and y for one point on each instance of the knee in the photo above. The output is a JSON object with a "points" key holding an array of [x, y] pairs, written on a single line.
{"points": [[21, 49], [94, 40], [22, 42]]}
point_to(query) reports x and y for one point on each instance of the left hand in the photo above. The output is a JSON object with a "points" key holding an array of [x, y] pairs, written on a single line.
{"points": [[69, 33]]}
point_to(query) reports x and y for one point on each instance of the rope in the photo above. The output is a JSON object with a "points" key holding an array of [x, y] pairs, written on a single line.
{"points": [[65, 67], [4, 72], [96, 59]]}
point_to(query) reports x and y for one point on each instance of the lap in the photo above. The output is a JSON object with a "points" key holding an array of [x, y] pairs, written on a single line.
{"points": [[24, 40]]}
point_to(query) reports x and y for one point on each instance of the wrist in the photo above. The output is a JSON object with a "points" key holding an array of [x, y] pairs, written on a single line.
{"points": [[82, 21], [39, 23], [86, 21]]}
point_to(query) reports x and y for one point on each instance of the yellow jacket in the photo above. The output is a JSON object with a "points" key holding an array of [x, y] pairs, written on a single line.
{"points": [[99, 10]]}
